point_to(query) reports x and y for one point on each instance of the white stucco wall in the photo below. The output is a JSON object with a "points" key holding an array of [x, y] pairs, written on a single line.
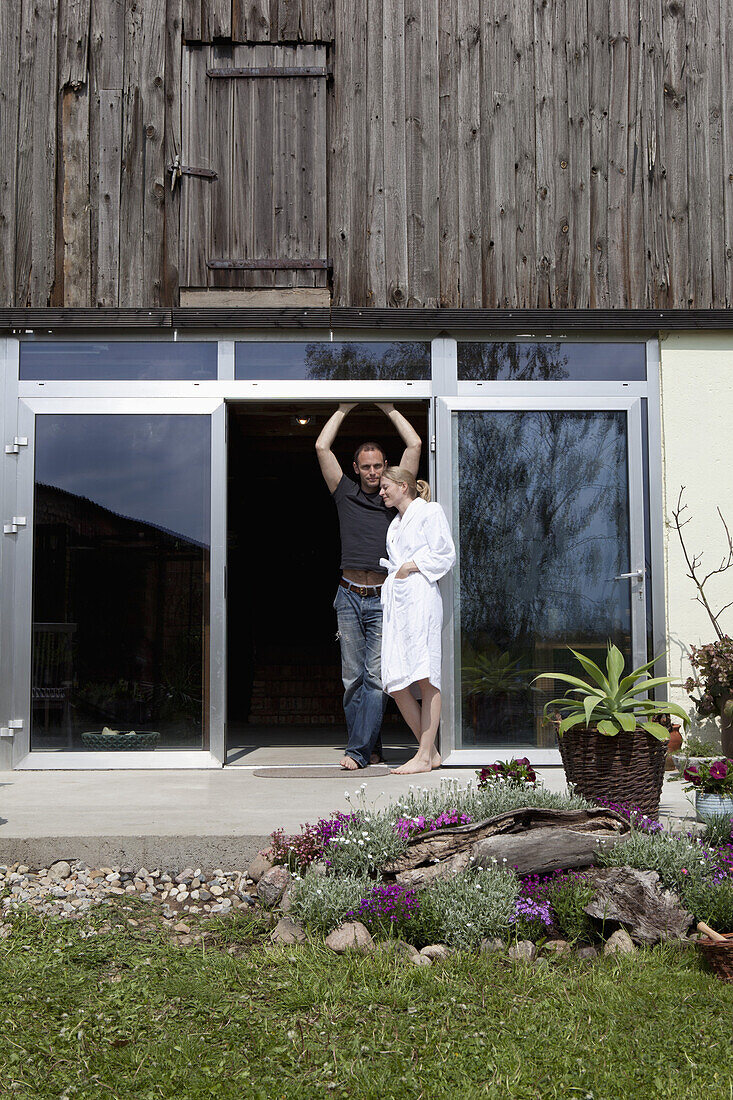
{"points": [[697, 428]]}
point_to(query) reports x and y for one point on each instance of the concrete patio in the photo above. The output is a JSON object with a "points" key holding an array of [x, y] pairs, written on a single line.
{"points": [[203, 818]]}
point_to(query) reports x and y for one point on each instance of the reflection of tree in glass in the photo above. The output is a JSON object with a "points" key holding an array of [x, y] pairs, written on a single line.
{"points": [[543, 527], [363, 361], [522, 362]]}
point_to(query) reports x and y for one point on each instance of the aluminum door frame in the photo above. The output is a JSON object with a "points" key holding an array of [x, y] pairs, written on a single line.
{"points": [[504, 400], [23, 757]]}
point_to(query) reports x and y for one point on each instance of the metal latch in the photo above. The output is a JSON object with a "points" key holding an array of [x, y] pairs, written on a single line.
{"points": [[432, 444], [12, 527], [18, 442], [12, 726], [177, 170]]}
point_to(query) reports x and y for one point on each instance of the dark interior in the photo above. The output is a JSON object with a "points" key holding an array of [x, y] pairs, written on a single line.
{"points": [[283, 568]]}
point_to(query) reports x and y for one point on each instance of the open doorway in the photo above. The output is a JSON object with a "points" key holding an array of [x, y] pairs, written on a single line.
{"points": [[284, 664]]}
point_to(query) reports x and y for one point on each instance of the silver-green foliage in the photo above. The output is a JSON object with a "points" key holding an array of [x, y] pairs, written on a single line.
{"points": [[323, 902], [369, 842], [612, 702], [671, 856], [463, 909]]}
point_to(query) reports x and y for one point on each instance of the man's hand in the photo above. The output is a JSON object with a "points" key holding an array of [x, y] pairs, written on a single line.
{"points": [[385, 406], [345, 408]]}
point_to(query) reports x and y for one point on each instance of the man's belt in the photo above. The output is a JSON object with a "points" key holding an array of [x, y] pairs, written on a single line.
{"points": [[361, 589]]}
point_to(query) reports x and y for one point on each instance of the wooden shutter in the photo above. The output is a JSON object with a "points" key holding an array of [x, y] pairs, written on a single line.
{"points": [[255, 116]]}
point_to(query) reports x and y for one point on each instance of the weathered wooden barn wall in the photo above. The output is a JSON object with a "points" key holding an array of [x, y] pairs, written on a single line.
{"points": [[478, 152]]}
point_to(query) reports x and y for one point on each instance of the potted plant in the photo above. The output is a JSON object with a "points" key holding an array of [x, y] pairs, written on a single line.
{"points": [[695, 750], [712, 782], [110, 740], [611, 742]]}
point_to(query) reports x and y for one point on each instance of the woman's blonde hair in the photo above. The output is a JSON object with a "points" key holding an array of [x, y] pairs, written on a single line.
{"points": [[401, 476]]}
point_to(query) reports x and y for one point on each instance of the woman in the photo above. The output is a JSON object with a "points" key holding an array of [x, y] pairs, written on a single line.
{"points": [[420, 551]]}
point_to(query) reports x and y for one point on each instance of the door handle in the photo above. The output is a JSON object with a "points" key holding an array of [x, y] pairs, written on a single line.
{"points": [[637, 575]]}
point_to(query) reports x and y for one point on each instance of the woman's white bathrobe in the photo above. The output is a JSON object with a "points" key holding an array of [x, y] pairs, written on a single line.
{"points": [[413, 611]]}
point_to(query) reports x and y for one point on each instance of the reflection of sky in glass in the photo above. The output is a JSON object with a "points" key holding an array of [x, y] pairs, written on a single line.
{"points": [[359, 360], [155, 469], [551, 361], [87, 360], [543, 524]]}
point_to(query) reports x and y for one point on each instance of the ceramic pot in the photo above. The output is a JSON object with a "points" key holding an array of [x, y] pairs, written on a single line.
{"points": [[673, 745], [708, 804]]}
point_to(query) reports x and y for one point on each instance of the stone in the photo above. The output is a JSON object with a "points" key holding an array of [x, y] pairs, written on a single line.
{"points": [[637, 900], [59, 870], [420, 960], [557, 947], [288, 931], [185, 876], [259, 866], [435, 951], [524, 950], [181, 927], [318, 869], [620, 943], [351, 936], [271, 886], [286, 901], [585, 954], [492, 946]]}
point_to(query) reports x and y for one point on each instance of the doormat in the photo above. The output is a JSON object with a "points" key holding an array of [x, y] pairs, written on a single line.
{"points": [[326, 771]]}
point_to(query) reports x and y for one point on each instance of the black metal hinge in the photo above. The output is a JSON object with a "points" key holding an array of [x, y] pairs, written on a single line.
{"points": [[255, 72], [269, 265], [177, 170]]}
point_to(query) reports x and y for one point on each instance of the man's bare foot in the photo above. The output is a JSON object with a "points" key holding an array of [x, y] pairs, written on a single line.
{"points": [[413, 767], [375, 758], [348, 764]]}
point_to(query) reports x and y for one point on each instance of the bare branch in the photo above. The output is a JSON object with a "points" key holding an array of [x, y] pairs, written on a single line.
{"points": [[694, 561]]}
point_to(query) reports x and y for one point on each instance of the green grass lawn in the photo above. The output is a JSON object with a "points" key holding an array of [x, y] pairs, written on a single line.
{"points": [[127, 1013]]}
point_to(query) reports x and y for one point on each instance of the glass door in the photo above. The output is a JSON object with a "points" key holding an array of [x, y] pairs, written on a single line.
{"points": [[546, 498], [120, 583]]}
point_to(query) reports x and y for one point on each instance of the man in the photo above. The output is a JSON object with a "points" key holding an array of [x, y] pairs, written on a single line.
{"points": [[363, 522]]}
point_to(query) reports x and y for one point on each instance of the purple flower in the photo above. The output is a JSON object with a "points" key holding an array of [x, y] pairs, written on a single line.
{"points": [[719, 769]]}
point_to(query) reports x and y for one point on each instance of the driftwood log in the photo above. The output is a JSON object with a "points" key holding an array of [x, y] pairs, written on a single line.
{"points": [[638, 901], [531, 840]]}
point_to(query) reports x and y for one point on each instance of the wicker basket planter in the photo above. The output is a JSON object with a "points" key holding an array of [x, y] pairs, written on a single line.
{"points": [[119, 742], [719, 955], [626, 768]]}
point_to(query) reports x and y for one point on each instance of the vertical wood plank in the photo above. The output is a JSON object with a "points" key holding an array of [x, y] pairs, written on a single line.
{"points": [[193, 23], [263, 124], [655, 182], [599, 47], [106, 55], [284, 169], [716, 155], [636, 287], [498, 156], [307, 21], [75, 197], [524, 163], [376, 283], [250, 20], [318, 188], [74, 16], [288, 24], [395, 172], [469, 154], [560, 156], [545, 152], [108, 197], [9, 89], [196, 149], [216, 19], [357, 231], [618, 123], [674, 37], [341, 137], [578, 79], [448, 182], [172, 146], [36, 175], [221, 114], [699, 50], [422, 139], [323, 20], [726, 28], [241, 163]]}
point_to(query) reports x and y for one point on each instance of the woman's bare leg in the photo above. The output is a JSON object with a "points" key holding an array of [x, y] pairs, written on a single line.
{"points": [[423, 720]]}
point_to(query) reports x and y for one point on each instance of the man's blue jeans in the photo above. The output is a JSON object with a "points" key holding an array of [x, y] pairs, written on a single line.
{"points": [[360, 633]]}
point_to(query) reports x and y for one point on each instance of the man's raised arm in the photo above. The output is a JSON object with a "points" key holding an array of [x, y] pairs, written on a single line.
{"points": [[330, 466], [411, 456]]}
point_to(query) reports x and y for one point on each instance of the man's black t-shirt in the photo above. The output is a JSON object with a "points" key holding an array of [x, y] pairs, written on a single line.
{"points": [[363, 520]]}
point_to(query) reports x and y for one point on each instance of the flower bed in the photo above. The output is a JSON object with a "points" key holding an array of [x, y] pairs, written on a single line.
{"points": [[339, 869]]}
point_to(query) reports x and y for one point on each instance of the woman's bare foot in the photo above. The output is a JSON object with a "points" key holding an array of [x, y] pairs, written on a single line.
{"points": [[413, 767], [436, 760], [349, 764]]}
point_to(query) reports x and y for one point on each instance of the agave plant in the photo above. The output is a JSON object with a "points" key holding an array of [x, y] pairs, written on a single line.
{"points": [[612, 702]]}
